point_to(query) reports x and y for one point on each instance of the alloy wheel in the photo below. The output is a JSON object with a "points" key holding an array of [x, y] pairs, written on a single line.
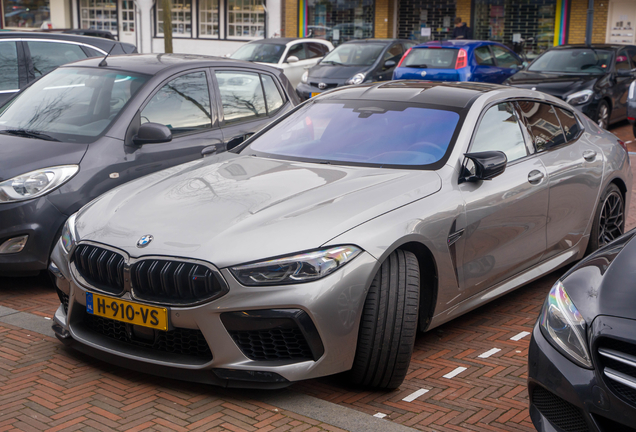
{"points": [[603, 116], [612, 216]]}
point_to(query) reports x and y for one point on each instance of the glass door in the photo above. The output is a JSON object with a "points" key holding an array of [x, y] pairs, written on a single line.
{"points": [[127, 21]]}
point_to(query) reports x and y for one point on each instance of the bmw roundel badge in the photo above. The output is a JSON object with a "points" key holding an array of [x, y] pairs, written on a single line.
{"points": [[144, 241]]}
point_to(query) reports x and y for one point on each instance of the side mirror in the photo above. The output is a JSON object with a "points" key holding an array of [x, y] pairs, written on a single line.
{"points": [[625, 72], [292, 59], [151, 133], [389, 64], [487, 165]]}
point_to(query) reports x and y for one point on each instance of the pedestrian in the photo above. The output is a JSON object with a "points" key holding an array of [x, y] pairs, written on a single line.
{"points": [[461, 30]]}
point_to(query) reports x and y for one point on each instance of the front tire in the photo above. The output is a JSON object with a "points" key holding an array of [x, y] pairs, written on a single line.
{"points": [[389, 323], [603, 114], [609, 220]]}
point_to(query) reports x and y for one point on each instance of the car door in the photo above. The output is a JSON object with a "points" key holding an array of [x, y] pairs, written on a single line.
{"points": [[390, 59], [295, 70], [574, 168], [506, 61], [506, 216], [485, 69], [13, 75], [621, 86], [43, 56], [247, 101]]}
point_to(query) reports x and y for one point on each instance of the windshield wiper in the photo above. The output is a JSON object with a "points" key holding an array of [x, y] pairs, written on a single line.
{"points": [[29, 134]]}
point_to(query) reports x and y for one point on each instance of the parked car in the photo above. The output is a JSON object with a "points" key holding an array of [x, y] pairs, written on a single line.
{"points": [[91, 32], [26, 56], [324, 242], [594, 79], [353, 62], [88, 127], [582, 358], [291, 55], [631, 106], [459, 60]]}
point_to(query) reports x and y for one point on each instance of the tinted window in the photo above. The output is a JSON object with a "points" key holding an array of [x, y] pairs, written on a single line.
{"points": [[297, 50], [394, 53], [316, 50], [241, 95], [183, 104], [92, 52], [483, 56], [46, 56], [8, 66], [504, 58], [579, 60], [569, 124], [264, 53], [622, 61], [272, 95], [427, 58], [543, 124], [373, 132], [354, 54], [499, 130]]}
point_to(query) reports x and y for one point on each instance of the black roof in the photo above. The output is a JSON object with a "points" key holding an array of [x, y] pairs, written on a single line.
{"points": [[101, 43], [593, 46]]}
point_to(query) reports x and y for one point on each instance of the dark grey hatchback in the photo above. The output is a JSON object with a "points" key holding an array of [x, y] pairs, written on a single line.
{"points": [[88, 127]]}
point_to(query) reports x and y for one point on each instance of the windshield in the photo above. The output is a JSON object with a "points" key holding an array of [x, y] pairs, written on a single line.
{"points": [[431, 58], [259, 52], [354, 54], [71, 104], [574, 61], [365, 132]]}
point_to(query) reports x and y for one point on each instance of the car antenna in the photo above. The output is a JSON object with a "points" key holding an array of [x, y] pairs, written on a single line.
{"points": [[103, 62]]}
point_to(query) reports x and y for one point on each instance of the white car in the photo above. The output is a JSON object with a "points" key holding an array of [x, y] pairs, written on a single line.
{"points": [[293, 56]]}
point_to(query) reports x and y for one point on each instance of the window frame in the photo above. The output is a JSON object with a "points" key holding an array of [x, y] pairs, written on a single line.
{"points": [[554, 107], [219, 11], [155, 21], [226, 23]]}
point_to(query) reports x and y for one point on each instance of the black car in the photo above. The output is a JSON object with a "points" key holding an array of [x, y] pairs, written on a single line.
{"points": [[26, 56], [582, 358], [595, 78], [631, 106], [354, 62], [88, 127]]}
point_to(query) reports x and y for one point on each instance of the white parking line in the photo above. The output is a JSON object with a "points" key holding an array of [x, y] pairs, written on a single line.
{"points": [[455, 372], [415, 395], [489, 353], [379, 415], [520, 336]]}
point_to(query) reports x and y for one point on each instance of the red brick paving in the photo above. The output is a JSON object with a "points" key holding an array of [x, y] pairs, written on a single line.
{"points": [[45, 386]]}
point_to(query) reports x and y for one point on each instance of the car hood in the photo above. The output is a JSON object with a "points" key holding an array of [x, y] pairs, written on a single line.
{"points": [[329, 71], [605, 282], [559, 85], [20, 155], [234, 209]]}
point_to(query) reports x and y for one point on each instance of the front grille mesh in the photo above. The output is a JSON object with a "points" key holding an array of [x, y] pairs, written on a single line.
{"points": [[100, 267], [63, 299], [273, 344], [174, 282], [187, 342], [626, 393], [558, 411]]}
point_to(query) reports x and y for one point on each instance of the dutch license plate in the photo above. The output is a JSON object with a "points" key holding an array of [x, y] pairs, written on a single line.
{"points": [[314, 94], [126, 311]]}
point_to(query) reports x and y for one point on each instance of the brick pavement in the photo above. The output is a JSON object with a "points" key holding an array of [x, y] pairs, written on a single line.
{"points": [[45, 386]]}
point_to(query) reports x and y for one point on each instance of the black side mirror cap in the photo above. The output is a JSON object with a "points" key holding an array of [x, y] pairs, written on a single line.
{"points": [[152, 133], [488, 165]]}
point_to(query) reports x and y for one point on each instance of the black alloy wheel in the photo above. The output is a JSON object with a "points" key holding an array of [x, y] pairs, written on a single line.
{"points": [[609, 221], [603, 114]]}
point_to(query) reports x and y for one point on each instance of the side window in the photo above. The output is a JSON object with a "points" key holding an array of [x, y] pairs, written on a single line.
{"points": [[92, 52], [631, 53], [183, 105], [9, 78], [622, 62], [315, 50], [46, 56], [569, 123], [543, 123], [499, 130], [297, 50], [483, 57], [394, 53], [504, 58], [241, 95], [272, 95]]}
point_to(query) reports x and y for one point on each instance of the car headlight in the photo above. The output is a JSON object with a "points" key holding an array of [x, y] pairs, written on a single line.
{"points": [[564, 327], [305, 77], [304, 267], [631, 90], [68, 234], [35, 183], [356, 79], [579, 97]]}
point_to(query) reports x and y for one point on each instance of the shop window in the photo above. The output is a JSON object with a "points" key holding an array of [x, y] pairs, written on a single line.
{"points": [[8, 66], [504, 58], [499, 130], [209, 18], [340, 21], [99, 15], [241, 96], [128, 16], [46, 56], [484, 57], [181, 18], [245, 19], [435, 16], [26, 13]]}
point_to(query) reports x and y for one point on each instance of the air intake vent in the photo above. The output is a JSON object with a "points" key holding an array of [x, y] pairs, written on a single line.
{"points": [[100, 267], [175, 282], [559, 412]]}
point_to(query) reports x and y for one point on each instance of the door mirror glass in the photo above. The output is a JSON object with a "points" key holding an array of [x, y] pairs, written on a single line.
{"points": [[151, 133], [292, 59], [484, 166], [389, 64]]}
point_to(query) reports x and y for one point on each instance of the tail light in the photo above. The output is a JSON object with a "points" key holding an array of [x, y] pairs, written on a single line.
{"points": [[462, 59], [622, 143], [404, 56]]}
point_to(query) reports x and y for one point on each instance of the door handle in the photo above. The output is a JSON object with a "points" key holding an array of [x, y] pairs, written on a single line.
{"points": [[213, 149], [589, 155], [535, 177]]}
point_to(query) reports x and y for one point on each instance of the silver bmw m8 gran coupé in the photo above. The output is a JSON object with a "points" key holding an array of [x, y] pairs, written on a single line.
{"points": [[327, 240]]}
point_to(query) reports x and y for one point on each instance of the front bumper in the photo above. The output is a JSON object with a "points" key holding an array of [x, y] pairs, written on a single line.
{"points": [[565, 397], [333, 305], [305, 91], [38, 219]]}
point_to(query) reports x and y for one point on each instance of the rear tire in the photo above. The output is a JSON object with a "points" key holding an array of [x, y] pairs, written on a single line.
{"points": [[609, 220], [389, 323]]}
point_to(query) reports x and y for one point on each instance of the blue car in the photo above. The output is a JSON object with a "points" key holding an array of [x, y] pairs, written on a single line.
{"points": [[459, 60]]}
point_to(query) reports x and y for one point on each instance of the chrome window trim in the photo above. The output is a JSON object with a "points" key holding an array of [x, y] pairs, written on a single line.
{"points": [[58, 41], [9, 91]]}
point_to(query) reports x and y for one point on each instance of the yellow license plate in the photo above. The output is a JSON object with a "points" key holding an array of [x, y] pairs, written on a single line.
{"points": [[314, 94], [126, 311]]}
